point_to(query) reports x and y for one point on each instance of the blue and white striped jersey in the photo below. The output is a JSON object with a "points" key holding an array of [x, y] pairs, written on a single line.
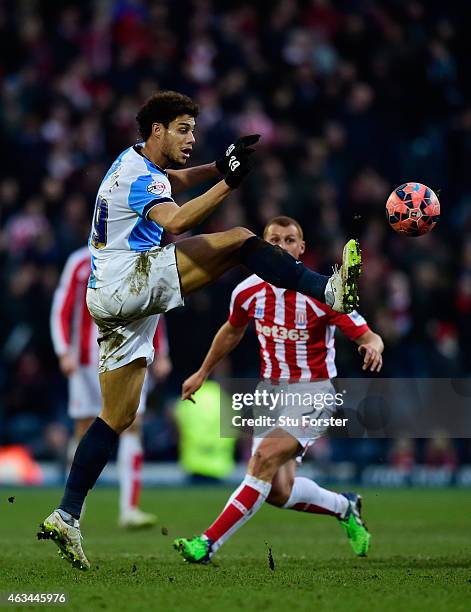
{"points": [[121, 228]]}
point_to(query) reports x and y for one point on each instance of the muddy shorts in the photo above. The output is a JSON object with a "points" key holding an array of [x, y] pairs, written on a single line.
{"points": [[127, 310]]}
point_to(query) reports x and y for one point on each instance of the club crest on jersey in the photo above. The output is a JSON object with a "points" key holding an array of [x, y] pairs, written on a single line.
{"points": [[259, 312], [300, 318], [157, 188]]}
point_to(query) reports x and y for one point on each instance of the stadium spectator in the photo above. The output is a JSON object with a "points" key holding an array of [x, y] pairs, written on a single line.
{"points": [[351, 102]]}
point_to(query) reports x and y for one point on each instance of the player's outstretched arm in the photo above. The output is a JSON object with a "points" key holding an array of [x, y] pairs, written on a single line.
{"points": [[225, 341], [371, 346], [179, 219], [186, 178]]}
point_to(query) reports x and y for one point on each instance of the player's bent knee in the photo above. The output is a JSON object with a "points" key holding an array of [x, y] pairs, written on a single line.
{"points": [[280, 492], [265, 461], [278, 497], [241, 234]]}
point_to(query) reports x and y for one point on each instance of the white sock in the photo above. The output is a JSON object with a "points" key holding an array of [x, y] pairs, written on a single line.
{"points": [[242, 505], [308, 496], [129, 471]]}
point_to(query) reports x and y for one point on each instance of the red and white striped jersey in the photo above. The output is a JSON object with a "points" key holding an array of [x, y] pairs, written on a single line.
{"points": [[72, 327], [295, 332]]}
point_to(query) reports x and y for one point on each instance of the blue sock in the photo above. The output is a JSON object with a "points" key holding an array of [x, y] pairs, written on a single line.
{"points": [[281, 269], [91, 456]]}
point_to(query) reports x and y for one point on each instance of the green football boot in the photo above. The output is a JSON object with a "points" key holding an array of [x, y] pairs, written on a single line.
{"points": [[342, 287], [353, 524], [196, 550]]}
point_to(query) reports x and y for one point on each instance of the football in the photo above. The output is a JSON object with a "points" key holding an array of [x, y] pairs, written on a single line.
{"points": [[412, 209]]}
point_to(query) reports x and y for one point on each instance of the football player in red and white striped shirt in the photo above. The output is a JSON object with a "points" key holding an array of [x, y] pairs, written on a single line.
{"points": [[74, 335], [297, 346]]}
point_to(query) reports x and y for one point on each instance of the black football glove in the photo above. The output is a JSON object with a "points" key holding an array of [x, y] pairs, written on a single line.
{"points": [[238, 168], [240, 148]]}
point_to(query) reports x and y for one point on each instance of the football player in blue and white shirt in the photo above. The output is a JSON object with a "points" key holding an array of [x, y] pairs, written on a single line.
{"points": [[133, 279]]}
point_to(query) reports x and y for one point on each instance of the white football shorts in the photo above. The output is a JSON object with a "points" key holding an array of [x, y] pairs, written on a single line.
{"points": [[312, 400], [85, 395], [127, 310]]}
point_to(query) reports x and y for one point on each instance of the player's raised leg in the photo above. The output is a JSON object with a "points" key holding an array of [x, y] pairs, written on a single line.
{"points": [[291, 492], [274, 450], [202, 259]]}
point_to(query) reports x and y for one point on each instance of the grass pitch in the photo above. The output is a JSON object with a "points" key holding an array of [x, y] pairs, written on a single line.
{"points": [[420, 556]]}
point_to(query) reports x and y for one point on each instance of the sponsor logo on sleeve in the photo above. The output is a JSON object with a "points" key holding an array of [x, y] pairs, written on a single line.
{"points": [[156, 188]]}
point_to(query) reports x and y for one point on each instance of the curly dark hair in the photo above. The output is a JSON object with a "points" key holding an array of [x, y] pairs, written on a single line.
{"points": [[163, 107]]}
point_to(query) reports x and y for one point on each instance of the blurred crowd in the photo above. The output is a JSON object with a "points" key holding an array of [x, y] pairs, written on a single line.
{"points": [[351, 97]]}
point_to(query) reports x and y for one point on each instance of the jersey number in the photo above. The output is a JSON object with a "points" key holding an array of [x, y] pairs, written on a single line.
{"points": [[100, 223]]}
